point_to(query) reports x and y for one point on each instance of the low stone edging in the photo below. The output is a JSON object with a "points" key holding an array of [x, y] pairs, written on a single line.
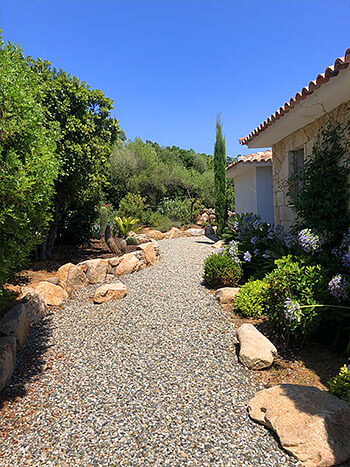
{"points": [[33, 305]]}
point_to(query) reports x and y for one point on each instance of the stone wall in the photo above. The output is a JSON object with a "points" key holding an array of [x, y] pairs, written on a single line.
{"points": [[303, 138]]}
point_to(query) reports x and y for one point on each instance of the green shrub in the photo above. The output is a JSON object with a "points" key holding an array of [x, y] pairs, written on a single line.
{"points": [[131, 241], [28, 165], [220, 270], [176, 209], [291, 295], [250, 299], [134, 205], [159, 221], [340, 384]]}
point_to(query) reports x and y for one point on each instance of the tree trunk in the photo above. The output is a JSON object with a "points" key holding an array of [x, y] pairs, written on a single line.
{"points": [[45, 250]]}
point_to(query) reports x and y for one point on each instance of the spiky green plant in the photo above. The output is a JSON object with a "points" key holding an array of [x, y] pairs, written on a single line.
{"points": [[126, 225], [103, 220]]}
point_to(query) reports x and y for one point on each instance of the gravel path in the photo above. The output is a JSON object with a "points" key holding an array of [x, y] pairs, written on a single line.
{"points": [[152, 379]]}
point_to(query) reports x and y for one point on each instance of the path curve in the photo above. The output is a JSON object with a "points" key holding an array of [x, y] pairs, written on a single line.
{"points": [[152, 379]]}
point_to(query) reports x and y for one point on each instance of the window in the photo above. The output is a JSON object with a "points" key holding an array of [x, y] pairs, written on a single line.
{"points": [[295, 166]]}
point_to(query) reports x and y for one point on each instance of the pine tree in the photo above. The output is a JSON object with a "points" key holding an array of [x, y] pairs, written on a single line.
{"points": [[219, 177]]}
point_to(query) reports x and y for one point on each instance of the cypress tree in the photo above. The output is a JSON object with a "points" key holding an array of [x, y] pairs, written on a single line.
{"points": [[219, 177]]}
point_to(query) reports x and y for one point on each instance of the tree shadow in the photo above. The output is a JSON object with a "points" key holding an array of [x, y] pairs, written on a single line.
{"points": [[30, 360]]}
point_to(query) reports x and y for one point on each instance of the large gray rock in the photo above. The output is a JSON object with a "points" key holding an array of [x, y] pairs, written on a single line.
{"points": [[256, 351], [36, 308], [15, 323], [71, 278], [95, 269], [7, 359], [312, 425]]}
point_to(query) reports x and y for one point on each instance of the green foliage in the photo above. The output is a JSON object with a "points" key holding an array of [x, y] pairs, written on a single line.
{"points": [[126, 225], [340, 385], [230, 194], [291, 296], [159, 221], [134, 205], [250, 299], [131, 241], [157, 173], [28, 163], [176, 209], [87, 134], [322, 201], [220, 270], [220, 180], [103, 212]]}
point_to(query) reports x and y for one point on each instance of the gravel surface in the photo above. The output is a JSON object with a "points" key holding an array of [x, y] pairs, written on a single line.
{"points": [[152, 379]]}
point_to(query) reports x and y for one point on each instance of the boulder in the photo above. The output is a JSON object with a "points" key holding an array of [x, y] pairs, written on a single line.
{"points": [[256, 351], [142, 238], [226, 295], [71, 278], [156, 248], [128, 264], [174, 233], [96, 270], [51, 294], [155, 234], [218, 244], [209, 231], [36, 308], [15, 323], [108, 292], [7, 359], [53, 280], [148, 250], [312, 425], [194, 232], [114, 261]]}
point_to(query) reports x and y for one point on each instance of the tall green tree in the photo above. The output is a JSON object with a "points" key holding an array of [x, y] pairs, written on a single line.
{"points": [[219, 177], [87, 135], [28, 164]]}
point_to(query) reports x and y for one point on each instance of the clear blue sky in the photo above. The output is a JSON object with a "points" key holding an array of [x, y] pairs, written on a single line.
{"points": [[171, 65]]}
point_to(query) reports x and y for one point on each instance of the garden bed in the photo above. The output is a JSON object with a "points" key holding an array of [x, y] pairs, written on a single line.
{"points": [[313, 365]]}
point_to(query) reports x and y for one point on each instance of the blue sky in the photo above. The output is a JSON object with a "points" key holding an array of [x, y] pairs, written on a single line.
{"points": [[171, 65]]}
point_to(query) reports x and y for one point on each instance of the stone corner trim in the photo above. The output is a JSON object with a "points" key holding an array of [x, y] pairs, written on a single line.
{"points": [[256, 351], [311, 424]]}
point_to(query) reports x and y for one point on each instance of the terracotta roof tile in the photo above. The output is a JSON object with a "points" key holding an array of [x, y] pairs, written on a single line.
{"points": [[340, 64], [263, 156]]}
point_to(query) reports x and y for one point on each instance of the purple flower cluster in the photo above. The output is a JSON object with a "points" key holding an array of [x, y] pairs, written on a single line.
{"points": [[338, 286], [247, 256], [309, 241], [344, 250], [292, 310], [233, 250]]}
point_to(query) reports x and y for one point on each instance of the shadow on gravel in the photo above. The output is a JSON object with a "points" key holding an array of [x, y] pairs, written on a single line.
{"points": [[29, 362]]}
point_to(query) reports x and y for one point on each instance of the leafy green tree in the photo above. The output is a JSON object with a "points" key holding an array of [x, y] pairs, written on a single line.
{"points": [[220, 180], [88, 133], [28, 162]]}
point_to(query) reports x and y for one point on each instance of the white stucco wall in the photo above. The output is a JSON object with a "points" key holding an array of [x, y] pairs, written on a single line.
{"points": [[245, 192], [264, 193]]}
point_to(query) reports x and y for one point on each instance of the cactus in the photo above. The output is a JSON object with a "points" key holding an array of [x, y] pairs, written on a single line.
{"points": [[103, 221]]}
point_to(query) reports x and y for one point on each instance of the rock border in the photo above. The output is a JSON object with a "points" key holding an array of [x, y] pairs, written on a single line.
{"points": [[34, 302]]}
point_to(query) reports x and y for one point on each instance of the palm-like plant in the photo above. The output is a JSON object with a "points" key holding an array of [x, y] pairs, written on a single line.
{"points": [[126, 225]]}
